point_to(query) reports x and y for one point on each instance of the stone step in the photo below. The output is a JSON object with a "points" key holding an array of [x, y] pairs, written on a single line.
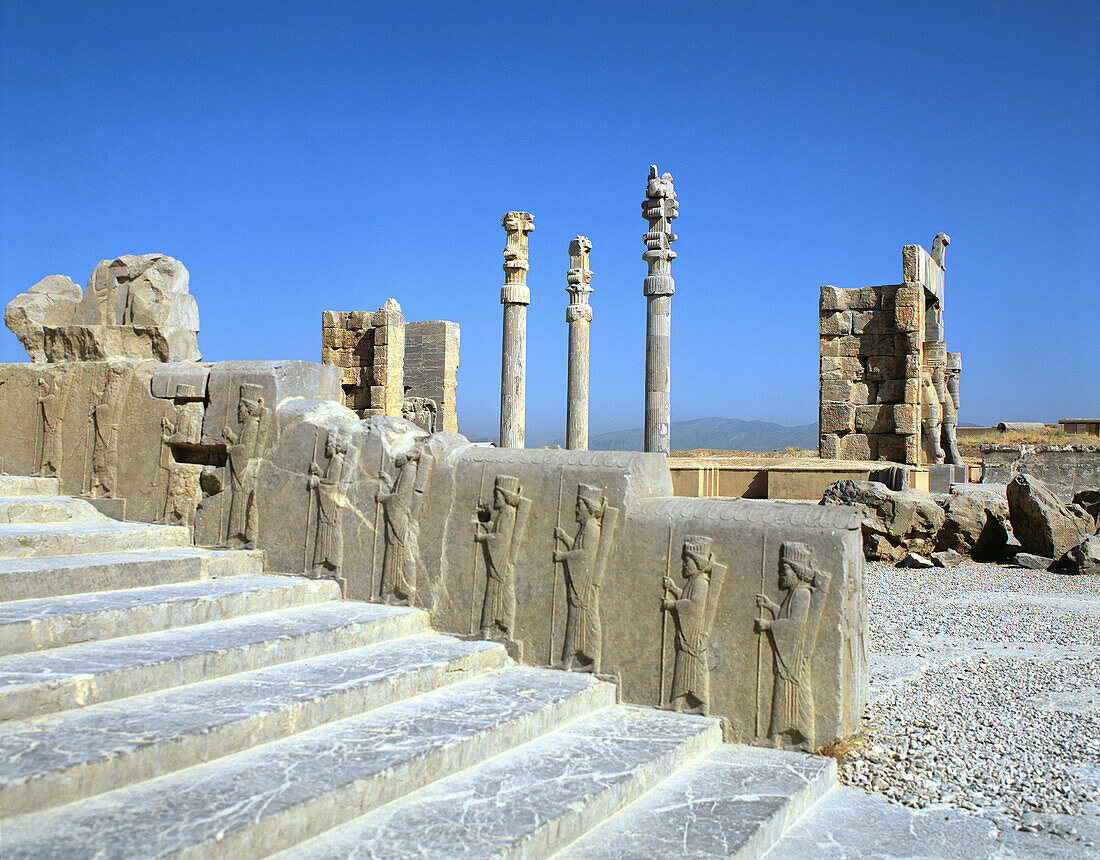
{"points": [[532, 800], [39, 539], [279, 794], [736, 801], [48, 509], [19, 485], [79, 675], [54, 622], [32, 578], [64, 757]]}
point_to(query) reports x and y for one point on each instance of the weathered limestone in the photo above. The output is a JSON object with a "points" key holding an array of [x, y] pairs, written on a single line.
{"points": [[515, 296], [975, 524], [1065, 470], [392, 367], [894, 522], [135, 307], [659, 208], [888, 388], [1043, 525], [578, 316]]}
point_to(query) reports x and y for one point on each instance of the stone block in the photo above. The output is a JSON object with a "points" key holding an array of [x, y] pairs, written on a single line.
{"points": [[890, 391], [865, 298], [837, 418], [829, 446], [906, 418], [833, 324], [835, 390], [836, 367], [911, 394], [912, 449], [875, 344], [907, 343], [874, 419], [882, 367], [891, 447], [861, 393], [858, 446], [833, 299], [871, 322]]}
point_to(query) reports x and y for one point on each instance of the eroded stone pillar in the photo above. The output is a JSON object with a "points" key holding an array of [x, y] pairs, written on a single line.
{"points": [[578, 315], [659, 209], [515, 296]]}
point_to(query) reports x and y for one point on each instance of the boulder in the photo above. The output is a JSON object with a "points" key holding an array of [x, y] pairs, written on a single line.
{"points": [[975, 524], [1032, 562], [893, 522], [1083, 558], [50, 302], [1043, 525], [915, 560], [134, 307], [1089, 502], [947, 558]]}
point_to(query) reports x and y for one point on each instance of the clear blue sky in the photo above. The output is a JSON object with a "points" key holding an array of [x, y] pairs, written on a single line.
{"points": [[299, 157]]}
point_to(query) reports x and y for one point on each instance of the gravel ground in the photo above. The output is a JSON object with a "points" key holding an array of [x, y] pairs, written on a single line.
{"points": [[986, 696]]}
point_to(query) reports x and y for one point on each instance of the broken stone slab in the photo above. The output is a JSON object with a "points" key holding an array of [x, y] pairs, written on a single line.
{"points": [[947, 558], [1083, 558], [914, 560], [893, 521], [180, 380], [50, 302], [1043, 525], [1089, 501], [975, 524], [1031, 561], [137, 343]]}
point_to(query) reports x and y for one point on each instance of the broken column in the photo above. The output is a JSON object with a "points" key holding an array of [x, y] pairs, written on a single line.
{"points": [[515, 296], [659, 208], [578, 315]]}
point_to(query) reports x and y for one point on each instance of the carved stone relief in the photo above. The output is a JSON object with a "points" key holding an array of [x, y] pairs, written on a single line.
{"points": [[331, 487], [500, 532], [584, 561], [401, 500], [51, 406], [791, 633], [692, 608], [244, 450], [105, 417], [421, 411]]}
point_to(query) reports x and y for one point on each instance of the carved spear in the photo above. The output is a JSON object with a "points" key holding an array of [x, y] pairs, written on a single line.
{"points": [[554, 595], [309, 506], [377, 591], [39, 456], [477, 552], [664, 619], [761, 635]]}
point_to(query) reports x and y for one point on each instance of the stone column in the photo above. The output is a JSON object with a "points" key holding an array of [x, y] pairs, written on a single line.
{"points": [[578, 315], [659, 209], [515, 296]]}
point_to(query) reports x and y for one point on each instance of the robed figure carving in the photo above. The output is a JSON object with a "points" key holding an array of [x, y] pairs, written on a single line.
{"points": [[328, 550], [52, 407], [693, 607], [245, 449], [585, 559], [792, 634], [401, 500], [106, 415], [501, 538]]}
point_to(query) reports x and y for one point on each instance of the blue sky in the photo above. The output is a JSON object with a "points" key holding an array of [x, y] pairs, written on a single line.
{"points": [[300, 157]]}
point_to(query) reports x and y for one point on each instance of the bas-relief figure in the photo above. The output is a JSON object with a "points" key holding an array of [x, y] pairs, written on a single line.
{"points": [[693, 608], [189, 416], [106, 416], [421, 411], [328, 549], [401, 500], [501, 537], [951, 410], [931, 414], [939, 249], [584, 560], [51, 405], [244, 450], [792, 633]]}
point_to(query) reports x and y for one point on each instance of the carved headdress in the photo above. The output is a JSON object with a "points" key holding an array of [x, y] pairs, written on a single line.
{"points": [[251, 393], [697, 547], [592, 496], [510, 487], [797, 556]]}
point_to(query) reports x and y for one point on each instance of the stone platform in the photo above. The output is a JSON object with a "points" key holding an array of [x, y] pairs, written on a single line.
{"points": [[161, 699]]}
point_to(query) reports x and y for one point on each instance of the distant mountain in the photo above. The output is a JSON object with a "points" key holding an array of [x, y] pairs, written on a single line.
{"points": [[731, 434]]}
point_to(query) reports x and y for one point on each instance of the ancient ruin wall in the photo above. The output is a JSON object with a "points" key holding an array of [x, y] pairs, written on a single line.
{"points": [[431, 367]]}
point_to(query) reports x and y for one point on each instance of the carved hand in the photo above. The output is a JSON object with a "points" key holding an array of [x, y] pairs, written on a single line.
{"points": [[229, 436], [668, 583], [763, 624], [765, 602], [668, 604], [559, 556], [559, 533], [314, 469]]}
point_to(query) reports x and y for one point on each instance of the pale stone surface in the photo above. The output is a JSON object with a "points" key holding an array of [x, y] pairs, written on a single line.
{"points": [[976, 524], [659, 208], [1083, 558], [893, 522], [578, 316], [49, 303], [1065, 470], [515, 296], [1043, 525]]}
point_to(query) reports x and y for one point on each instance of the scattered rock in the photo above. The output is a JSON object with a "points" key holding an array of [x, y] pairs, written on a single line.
{"points": [[1032, 562], [975, 524], [1083, 558], [1089, 501], [894, 522], [914, 560], [50, 302], [947, 558], [1042, 524]]}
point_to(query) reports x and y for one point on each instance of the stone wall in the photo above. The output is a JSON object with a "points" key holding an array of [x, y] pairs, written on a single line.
{"points": [[1065, 469], [885, 377], [391, 367]]}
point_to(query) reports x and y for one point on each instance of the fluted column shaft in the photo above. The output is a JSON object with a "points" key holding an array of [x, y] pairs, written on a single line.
{"points": [[659, 209], [578, 315], [515, 296]]}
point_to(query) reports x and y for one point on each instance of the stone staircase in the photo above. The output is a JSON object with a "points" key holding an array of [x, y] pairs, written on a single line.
{"points": [[158, 699]]}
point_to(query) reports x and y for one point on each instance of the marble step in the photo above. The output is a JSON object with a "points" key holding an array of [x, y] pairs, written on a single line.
{"points": [[54, 622], [64, 757], [48, 509], [77, 538], [77, 675], [32, 578], [281, 793], [19, 485], [736, 801], [533, 799]]}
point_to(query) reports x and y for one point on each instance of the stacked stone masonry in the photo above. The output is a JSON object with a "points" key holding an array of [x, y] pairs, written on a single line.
{"points": [[888, 387], [392, 367]]}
